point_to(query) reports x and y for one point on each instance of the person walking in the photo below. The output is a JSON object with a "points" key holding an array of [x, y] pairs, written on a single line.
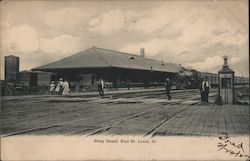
{"points": [[168, 85], [65, 88], [101, 87], [205, 88], [52, 87]]}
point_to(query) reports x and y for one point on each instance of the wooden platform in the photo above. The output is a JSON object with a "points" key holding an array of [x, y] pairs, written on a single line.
{"points": [[209, 120]]}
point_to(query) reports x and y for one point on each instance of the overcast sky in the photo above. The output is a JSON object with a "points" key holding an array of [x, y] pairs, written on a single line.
{"points": [[192, 33]]}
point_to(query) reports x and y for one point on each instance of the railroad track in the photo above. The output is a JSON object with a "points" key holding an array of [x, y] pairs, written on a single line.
{"points": [[153, 130], [118, 121], [157, 93], [63, 123], [160, 94], [108, 125]]}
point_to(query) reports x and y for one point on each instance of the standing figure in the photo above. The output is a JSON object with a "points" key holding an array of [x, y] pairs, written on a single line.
{"points": [[205, 88], [168, 85], [52, 87], [65, 88], [61, 86], [101, 87], [202, 91], [57, 89]]}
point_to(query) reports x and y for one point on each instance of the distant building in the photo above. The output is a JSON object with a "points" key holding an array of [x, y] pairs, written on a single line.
{"points": [[34, 78], [11, 66], [118, 69]]}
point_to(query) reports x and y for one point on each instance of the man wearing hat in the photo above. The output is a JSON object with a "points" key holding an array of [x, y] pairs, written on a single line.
{"points": [[168, 85], [61, 85], [101, 87], [205, 89]]}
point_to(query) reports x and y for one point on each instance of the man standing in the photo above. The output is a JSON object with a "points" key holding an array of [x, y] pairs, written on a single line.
{"points": [[205, 89], [168, 85], [201, 90], [60, 86], [101, 87]]}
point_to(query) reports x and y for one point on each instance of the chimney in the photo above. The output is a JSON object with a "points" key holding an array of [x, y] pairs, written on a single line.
{"points": [[142, 53], [162, 62], [225, 61]]}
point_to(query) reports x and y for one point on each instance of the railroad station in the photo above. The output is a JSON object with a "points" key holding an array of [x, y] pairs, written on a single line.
{"points": [[124, 80], [118, 69], [134, 102], [83, 70]]}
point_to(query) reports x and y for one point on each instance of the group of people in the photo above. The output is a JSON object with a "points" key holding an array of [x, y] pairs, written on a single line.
{"points": [[204, 89], [60, 87]]}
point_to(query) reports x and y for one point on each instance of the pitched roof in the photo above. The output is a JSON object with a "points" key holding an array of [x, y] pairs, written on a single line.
{"points": [[226, 69], [98, 58], [36, 72]]}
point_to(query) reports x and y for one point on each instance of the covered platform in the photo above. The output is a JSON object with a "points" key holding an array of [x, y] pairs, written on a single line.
{"points": [[118, 69]]}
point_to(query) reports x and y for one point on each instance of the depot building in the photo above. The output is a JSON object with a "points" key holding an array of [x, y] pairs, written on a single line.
{"points": [[117, 69]]}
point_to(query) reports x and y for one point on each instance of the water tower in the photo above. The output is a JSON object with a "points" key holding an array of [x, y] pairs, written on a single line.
{"points": [[11, 67]]}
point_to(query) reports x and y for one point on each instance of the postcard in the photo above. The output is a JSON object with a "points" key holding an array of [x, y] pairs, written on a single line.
{"points": [[124, 80]]}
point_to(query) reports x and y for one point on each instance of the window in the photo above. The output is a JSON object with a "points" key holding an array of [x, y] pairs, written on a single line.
{"points": [[225, 83]]}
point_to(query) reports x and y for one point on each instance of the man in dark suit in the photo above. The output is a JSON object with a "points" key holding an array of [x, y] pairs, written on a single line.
{"points": [[168, 85]]}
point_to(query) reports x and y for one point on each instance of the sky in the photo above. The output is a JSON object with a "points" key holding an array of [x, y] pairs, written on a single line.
{"points": [[195, 34]]}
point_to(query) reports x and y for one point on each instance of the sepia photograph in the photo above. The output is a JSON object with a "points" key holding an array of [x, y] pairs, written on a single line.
{"points": [[124, 80]]}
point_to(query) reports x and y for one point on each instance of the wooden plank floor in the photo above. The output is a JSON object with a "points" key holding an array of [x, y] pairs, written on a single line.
{"points": [[209, 120]]}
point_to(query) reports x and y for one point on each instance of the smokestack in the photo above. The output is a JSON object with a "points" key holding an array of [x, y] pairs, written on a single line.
{"points": [[225, 61], [142, 53]]}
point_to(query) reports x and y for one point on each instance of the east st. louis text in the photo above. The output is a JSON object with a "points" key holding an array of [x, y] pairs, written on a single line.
{"points": [[124, 141]]}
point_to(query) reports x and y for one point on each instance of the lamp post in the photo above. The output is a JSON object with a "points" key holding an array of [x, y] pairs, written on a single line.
{"points": [[226, 83]]}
